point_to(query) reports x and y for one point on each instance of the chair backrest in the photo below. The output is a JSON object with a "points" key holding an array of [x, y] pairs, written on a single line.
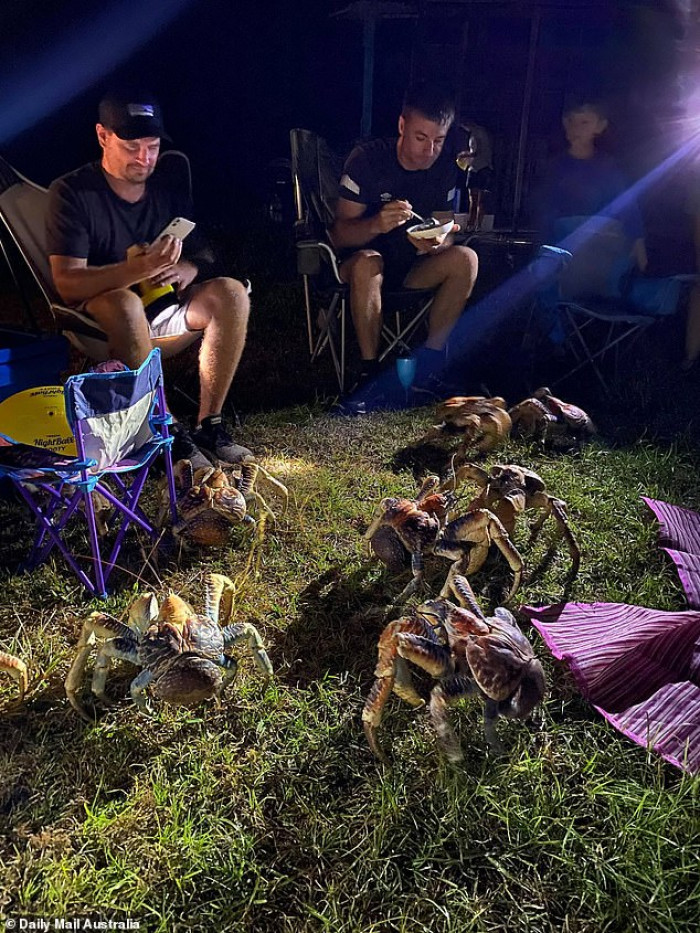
{"points": [[316, 171], [23, 207], [175, 165], [110, 413]]}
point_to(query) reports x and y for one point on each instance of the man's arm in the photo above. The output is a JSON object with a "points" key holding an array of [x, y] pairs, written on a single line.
{"points": [[353, 229], [75, 281]]}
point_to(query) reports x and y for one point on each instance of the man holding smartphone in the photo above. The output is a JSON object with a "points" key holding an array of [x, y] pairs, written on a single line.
{"points": [[103, 234]]}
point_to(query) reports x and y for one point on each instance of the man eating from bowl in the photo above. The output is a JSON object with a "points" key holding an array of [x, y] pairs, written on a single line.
{"points": [[385, 184]]}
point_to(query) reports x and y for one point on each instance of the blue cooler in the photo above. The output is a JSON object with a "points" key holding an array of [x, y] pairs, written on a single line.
{"points": [[27, 360]]}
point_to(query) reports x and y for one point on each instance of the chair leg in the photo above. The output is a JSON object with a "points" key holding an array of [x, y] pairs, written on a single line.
{"points": [[98, 569], [402, 335]]}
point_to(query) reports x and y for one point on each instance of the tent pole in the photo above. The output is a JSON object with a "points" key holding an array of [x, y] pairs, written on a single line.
{"points": [[369, 26], [525, 116]]}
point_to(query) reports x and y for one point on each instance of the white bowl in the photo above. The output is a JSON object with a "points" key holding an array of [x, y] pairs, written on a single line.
{"points": [[423, 232]]}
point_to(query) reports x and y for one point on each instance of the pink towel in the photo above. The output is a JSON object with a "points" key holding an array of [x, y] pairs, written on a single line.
{"points": [[639, 667], [679, 536]]}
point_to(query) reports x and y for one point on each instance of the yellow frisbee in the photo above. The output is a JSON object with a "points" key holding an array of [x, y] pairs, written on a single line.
{"points": [[38, 416]]}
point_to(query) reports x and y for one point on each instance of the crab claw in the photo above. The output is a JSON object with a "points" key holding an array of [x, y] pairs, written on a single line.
{"points": [[17, 669]]}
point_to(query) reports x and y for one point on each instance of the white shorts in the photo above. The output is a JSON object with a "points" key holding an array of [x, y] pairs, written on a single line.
{"points": [[170, 322]]}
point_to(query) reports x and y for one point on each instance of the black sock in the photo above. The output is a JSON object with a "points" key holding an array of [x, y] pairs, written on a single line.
{"points": [[210, 421]]}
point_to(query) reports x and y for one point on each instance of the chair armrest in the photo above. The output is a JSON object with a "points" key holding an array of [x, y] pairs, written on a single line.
{"points": [[310, 256]]}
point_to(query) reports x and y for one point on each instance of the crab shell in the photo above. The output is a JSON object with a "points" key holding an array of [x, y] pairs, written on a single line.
{"points": [[208, 505], [577, 420], [531, 416], [457, 411]]}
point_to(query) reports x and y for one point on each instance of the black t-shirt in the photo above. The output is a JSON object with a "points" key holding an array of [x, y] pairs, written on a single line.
{"points": [[87, 220], [373, 175]]}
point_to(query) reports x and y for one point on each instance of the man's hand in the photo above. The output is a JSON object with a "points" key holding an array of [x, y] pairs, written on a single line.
{"points": [[179, 276], [393, 215], [148, 262], [428, 245]]}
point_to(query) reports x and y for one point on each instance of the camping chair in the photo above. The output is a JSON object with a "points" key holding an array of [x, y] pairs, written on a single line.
{"points": [[23, 206], [120, 424], [22, 213], [601, 303], [316, 172]]}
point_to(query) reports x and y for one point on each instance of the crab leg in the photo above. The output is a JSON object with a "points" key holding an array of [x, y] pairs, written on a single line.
{"points": [[442, 696], [500, 538], [97, 624], [391, 673], [373, 710], [117, 649], [17, 670], [373, 527], [139, 690], [458, 585], [280, 487], [218, 589], [247, 632], [557, 509]]}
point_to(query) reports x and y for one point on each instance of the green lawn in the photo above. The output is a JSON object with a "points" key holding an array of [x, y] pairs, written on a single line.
{"points": [[268, 813]]}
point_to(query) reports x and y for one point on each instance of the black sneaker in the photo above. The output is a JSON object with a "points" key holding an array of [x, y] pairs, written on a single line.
{"points": [[382, 394], [431, 388], [217, 443], [184, 448]]}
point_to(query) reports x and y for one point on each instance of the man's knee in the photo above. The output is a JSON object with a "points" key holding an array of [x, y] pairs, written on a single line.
{"points": [[465, 261], [362, 266], [227, 296], [117, 307]]}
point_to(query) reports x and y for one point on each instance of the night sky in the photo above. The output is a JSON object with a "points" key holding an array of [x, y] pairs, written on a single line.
{"points": [[235, 75]]}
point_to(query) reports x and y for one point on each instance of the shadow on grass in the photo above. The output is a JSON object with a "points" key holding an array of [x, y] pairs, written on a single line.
{"points": [[340, 617]]}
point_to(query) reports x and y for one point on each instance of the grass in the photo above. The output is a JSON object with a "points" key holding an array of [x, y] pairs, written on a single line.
{"points": [[268, 814]]}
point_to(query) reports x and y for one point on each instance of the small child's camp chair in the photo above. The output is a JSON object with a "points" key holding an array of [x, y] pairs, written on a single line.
{"points": [[601, 303], [120, 424]]}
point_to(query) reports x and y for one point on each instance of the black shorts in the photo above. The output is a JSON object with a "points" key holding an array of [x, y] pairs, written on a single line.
{"points": [[481, 180], [399, 259]]}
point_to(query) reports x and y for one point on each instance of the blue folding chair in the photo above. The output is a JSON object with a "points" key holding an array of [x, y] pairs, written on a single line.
{"points": [[595, 302], [121, 425]]}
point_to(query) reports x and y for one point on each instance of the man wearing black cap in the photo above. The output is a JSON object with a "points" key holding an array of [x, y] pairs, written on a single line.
{"points": [[103, 231]]}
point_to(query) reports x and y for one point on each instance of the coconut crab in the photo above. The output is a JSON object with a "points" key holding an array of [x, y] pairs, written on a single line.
{"points": [[17, 670], [509, 489], [548, 418], [211, 500], [468, 653], [181, 653], [402, 527], [466, 541], [482, 422]]}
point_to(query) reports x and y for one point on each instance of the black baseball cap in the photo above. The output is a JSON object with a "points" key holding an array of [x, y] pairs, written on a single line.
{"points": [[133, 117]]}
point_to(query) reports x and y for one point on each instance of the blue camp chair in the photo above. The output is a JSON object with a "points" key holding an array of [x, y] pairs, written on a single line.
{"points": [[595, 302], [120, 424]]}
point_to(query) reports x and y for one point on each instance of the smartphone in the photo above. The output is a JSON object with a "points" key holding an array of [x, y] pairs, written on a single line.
{"points": [[179, 227]]}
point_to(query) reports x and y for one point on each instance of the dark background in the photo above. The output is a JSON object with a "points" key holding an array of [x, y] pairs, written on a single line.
{"points": [[235, 75]]}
